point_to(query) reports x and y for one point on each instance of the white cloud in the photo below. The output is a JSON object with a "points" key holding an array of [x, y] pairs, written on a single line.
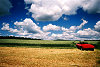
{"points": [[23, 28], [51, 27], [74, 33], [29, 26], [88, 33], [64, 36], [66, 30], [91, 6], [67, 33], [97, 26], [45, 12], [5, 26], [24, 33], [13, 30], [65, 18], [82, 24], [43, 35], [5, 6], [51, 10], [56, 36], [73, 28], [29, 1]]}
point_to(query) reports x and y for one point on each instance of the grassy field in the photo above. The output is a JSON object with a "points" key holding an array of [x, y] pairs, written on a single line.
{"points": [[36, 43], [46, 53], [42, 43]]}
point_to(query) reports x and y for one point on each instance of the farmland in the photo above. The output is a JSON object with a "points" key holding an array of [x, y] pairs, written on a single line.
{"points": [[41, 43], [36, 43], [46, 53]]}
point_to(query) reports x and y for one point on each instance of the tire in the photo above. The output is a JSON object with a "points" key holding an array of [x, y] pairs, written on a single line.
{"points": [[92, 49], [87, 49], [81, 48]]}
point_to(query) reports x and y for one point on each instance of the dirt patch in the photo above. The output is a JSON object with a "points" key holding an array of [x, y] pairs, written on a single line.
{"points": [[41, 57]]}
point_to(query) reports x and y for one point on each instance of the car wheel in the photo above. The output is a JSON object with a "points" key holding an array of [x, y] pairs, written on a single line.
{"points": [[92, 49], [81, 48]]}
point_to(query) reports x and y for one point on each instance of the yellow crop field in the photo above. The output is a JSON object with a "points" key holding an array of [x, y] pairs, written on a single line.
{"points": [[42, 57]]}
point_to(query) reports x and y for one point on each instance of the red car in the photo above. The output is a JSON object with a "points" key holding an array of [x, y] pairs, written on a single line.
{"points": [[84, 46]]}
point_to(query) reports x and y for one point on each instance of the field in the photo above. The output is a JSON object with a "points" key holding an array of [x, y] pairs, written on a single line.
{"points": [[45, 53], [42, 43]]}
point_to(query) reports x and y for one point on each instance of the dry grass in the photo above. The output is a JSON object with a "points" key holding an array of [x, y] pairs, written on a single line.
{"points": [[41, 57]]}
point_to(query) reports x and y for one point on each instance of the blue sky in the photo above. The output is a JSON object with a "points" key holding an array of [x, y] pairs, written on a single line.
{"points": [[50, 19]]}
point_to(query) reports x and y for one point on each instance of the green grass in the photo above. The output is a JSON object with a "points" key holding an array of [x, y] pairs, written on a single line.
{"points": [[34, 41], [42, 43]]}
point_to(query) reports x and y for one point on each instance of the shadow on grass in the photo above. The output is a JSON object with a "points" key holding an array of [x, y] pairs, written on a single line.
{"points": [[36, 45]]}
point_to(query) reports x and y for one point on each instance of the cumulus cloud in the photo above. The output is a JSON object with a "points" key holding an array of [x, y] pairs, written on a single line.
{"points": [[91, 6], [28, 25], [73, 28], [74, 33], [82, 24], [13, 30], [56, 36], [5, 6], [64, 36], [47, 10], [67, 33], [5, 26], [51, 27], [51, 10], [66, 30], [85, 34], [43, 35], [97, 26], [25, 27], [88, 33]]}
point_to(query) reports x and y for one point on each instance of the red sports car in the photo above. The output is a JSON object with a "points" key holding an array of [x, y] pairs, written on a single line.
{"points": [[84, 46]]}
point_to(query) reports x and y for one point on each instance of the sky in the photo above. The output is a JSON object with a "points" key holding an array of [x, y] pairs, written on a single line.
{"points": [[51, 19]]}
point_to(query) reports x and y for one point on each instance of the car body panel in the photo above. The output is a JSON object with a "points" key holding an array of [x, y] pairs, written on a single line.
{"points": [[84, 46]]}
